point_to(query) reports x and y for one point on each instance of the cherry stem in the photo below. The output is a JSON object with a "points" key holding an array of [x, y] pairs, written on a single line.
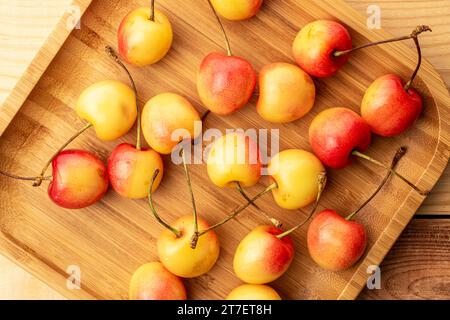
{"points": [[194, 207], [274, 221], [227, 41], [205, 115], [110, 51], [322, 181], [13, 176], [233, 215], [152, 10], [419, 63], [418, 30], [155, 213], [40, 178], [366, 157], [400, 153]]}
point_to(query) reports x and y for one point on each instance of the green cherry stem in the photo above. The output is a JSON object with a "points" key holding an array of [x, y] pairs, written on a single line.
{"points": [[194, 207], [321, 181], [234, 214], [152, 207], [400, 153], [222, 28], [418, 30], [13, 176], [152, 10], [274, 221], [110, 51], [378, 163]]}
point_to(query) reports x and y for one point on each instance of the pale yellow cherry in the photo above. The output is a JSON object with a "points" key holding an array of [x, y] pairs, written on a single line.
{"points": [[152, 281], [233, 158], [163, 116], [143, 39], [286, 93], [295, 172], [253, 292], [110, 106], [237, 9], [177, 255]]}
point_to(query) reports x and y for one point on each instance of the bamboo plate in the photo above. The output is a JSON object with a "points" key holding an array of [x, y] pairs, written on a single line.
{"points": [[109, 240]]}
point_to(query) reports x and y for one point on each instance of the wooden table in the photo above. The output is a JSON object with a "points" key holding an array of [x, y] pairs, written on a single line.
{"points": [[419, 264]]}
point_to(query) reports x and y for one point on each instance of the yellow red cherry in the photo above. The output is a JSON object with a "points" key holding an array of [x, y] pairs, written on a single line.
{"points": [[177, 255], [261, 257], [286, 93], [253, 292], [130, 170], [234, 161], [335, 242], [225, 82], [145, 36], [163, 116], [152, 281], [237, 9], [79, 179], [266, 253]]}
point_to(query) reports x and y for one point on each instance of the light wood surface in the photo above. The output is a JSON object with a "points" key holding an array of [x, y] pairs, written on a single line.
{"points": [[398, 17], [16, 283], [80, 42], [32, 33], [417, 267]]}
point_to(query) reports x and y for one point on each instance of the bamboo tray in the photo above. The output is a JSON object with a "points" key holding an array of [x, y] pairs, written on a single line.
{"points": [[109, 240]]}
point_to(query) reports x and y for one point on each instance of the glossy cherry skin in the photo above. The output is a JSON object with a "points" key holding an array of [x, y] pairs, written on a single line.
{"points": [[388, 108], [315, 45], [335, 133], [335, 243], [225, 83], [79, 179]]}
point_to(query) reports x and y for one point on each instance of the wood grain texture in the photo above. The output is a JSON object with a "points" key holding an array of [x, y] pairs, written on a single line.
{"points": [[32, 33], [16, 284], [124, 229], [418, 266], [399, 17]]}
